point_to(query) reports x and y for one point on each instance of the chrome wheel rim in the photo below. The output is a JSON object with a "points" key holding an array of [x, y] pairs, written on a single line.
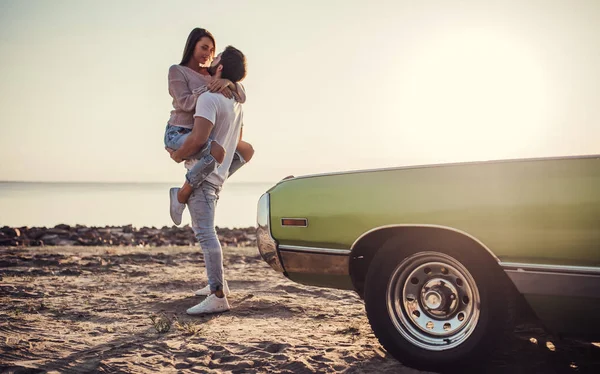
{"points": [[433, 301]]}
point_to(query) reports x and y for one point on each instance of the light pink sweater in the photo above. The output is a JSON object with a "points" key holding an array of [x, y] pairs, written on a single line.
{"points": [[185, 85]]}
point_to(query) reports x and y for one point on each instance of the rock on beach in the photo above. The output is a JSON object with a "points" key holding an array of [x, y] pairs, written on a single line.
{"points": [[65, 235]]}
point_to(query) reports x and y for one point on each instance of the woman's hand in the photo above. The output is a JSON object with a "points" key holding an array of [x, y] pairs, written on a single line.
{"points": [[227, 92], [217, 85]]}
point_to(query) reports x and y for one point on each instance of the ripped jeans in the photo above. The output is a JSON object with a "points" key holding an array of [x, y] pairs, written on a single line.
{"points": [[174, 138], [202, 204]]}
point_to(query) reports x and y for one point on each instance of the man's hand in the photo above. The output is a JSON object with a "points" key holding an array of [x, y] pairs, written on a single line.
{"points": [[173, 155]]}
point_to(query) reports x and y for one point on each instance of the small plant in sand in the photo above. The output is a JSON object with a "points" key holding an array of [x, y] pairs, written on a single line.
{"points": [[188, 328], [161, 323]]}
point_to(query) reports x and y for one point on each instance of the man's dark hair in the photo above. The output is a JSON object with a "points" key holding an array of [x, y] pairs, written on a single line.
{"points": [[234, 64]]}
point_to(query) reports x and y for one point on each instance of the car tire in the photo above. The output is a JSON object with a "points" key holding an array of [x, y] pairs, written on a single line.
{"points": [[436, 306]]}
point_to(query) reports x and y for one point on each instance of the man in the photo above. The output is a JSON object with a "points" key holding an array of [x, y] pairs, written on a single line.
{"points": [[221, 117]]}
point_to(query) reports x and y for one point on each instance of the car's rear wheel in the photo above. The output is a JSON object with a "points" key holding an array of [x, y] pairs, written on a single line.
{"points": [[435, 307]]}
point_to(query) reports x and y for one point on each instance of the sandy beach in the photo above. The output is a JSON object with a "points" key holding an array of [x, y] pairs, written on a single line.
{"points": [[122, 309]]}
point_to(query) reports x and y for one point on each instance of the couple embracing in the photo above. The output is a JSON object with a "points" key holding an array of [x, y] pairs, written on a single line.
{"points": [[205, 132]]}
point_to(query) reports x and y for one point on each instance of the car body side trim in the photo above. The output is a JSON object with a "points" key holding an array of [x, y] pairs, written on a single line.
{"points": [[549, 268], [329, 251]]}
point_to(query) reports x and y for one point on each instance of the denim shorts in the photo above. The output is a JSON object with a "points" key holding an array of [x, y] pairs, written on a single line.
{"points": [[175, 136]]}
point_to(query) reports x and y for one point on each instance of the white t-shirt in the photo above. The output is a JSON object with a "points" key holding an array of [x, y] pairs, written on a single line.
{"points": [[227, 117]]}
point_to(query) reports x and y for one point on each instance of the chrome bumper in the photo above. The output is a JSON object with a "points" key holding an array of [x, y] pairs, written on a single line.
{"points": [[267, 246]]}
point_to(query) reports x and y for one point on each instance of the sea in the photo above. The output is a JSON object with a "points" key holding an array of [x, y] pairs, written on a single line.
{"points": [[36, 204]]}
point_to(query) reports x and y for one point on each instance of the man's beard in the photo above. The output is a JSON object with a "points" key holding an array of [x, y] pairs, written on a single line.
{"points": [[212, 70]]}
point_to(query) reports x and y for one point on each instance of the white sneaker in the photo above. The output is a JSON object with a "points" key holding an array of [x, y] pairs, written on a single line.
{"points": [[212, 304], [206, 290], [176, 208]]}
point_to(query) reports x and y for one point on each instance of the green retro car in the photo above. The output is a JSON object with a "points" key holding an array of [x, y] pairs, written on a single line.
{"points": [[447, 256]]}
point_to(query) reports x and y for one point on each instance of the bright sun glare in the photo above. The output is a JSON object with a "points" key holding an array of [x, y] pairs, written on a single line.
{"points": [[477, 94]]}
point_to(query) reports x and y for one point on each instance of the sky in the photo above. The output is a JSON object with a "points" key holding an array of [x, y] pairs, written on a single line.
{"points": [[331, 85]]}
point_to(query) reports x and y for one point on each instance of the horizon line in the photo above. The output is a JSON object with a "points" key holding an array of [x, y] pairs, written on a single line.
{"points": [[123, 182]]}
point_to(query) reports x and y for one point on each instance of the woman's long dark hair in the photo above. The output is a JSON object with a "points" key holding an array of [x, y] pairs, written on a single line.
{"points": [[194, 37]]}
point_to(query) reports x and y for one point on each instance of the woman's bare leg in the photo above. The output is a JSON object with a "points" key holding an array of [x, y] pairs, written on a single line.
{"points": [[245, 149], [217, 151]]}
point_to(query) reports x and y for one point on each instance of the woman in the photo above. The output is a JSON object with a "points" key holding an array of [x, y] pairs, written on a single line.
{"points": [[188, 80]]}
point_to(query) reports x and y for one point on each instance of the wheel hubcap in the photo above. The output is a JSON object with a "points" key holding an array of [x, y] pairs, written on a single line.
{"points": [[439, 298], [433, 301]]}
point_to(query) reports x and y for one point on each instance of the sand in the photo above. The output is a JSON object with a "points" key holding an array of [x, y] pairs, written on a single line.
{"points": [[90, 309]]}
